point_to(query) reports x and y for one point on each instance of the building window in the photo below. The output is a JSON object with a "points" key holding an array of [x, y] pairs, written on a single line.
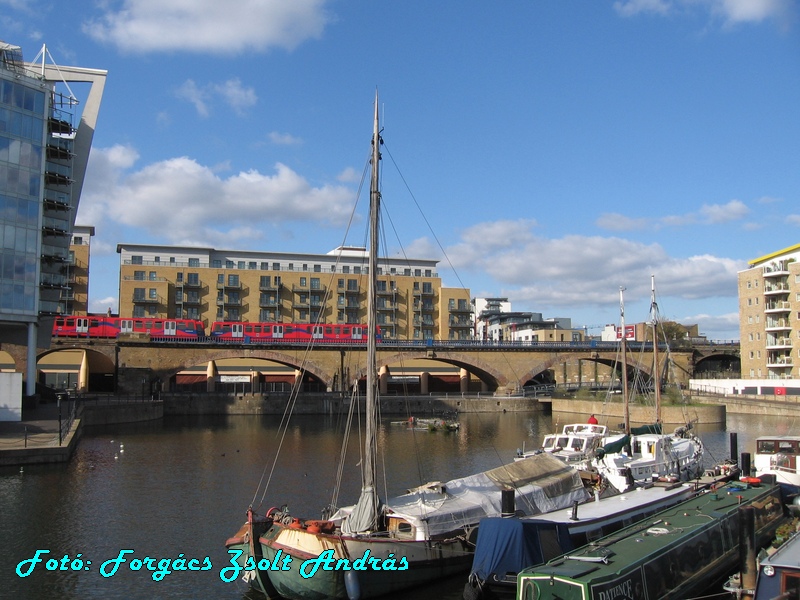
{"points": [[228, 264], [178, 295], [233, 281], [194, 262], [179, 277], [138, 275], [153, 275], [153, 294], [303, 281], [240, 264], [251, 265], [749, 284], [315, 284], [345, 268], [264, 281], [276, 266], [136, 260], [749, 302], [193, 278], [221, 278], [157, 259], [138, 294], [265, 266], [317, 268], [216, 263]]}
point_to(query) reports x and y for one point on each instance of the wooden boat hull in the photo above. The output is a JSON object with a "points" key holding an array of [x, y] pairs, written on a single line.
{"points": [[415, 563], [246, 542]]}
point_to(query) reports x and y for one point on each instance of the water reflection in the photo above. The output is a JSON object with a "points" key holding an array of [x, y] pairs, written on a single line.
{"points": [[182, 486]]}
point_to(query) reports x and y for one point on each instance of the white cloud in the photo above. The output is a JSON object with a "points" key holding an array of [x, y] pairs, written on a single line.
{"points": [[629, 8], [284, 139], [724, 213], [793, 219], [208, 26], [191, 92], [184, 202], [102, 305], [731, 12], [232, 92], [580, 271], [237, 96]]}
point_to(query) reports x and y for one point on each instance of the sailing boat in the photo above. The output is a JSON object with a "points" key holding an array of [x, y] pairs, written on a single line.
{"points": [[644, 453], [374, 548]]}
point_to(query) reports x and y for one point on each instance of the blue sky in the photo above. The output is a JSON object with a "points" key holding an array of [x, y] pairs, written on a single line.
{"points": [[557, 150]]}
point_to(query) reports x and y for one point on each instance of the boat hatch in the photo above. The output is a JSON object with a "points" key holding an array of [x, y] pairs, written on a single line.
{"points": [[401, 529]]}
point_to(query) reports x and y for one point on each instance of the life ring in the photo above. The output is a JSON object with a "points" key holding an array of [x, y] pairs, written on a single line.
{"points": [[658, 531]]}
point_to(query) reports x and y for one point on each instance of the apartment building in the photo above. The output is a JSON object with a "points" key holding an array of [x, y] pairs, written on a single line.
{"points": [[45, 138], [235, 285], [75, 293], [769, 314]]}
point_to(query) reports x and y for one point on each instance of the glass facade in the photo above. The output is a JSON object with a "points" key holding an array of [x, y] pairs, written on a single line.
{"points": [[22, 128]]}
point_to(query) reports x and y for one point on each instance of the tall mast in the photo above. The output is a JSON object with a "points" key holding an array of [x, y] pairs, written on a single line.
{"points": [[372, 375], [624, 361], [654, 324]]}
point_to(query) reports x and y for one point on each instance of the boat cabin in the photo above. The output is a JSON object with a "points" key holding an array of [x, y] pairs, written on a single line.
{"points": [[779, 455]]}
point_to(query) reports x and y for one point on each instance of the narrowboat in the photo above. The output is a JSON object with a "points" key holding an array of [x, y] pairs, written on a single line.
{"points": [[678, 553], [507, 546]]}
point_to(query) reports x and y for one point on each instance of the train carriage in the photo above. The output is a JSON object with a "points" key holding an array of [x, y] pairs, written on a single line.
{"points": [[287, 332], [95, 326]]}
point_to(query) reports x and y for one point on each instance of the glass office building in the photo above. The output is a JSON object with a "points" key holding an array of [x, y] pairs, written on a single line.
{"points": [[45, 136]]}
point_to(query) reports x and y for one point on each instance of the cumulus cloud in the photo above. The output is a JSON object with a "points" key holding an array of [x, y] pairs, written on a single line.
{"points": [[232, 92], [208, 26], [183, 202], [724, 213], [579, 271]]}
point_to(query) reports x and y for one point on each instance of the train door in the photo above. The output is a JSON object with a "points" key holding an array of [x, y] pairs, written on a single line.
{"points": [[237, 330], [170, 328], [126, 325], [82, 325], [277, 331], [358, 333], [317, 332]]}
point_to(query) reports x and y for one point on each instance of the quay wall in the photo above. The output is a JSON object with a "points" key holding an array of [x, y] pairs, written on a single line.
{"points": [[311, 404], [641, 415], [771, 405], [112, 413]]}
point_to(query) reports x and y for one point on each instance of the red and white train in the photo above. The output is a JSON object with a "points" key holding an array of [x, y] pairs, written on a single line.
{"points": [[95, 326], [289, 332]]}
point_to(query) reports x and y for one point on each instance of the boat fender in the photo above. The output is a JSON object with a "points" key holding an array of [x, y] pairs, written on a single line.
{"points": [[352, 585], [657, 530], [296, 524]]}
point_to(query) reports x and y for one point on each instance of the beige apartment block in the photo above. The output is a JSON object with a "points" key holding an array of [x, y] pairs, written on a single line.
{"points": [[769, 316], [233, 285], [75, 295]]}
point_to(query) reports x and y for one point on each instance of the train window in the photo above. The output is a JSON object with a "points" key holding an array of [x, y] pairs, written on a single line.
{"points": [[289, 329], [148, 325], [137, 325], [181, 326], [158, 324], [267, 328], [345, 330], [94, 323], [248, 328], [328, 330]]}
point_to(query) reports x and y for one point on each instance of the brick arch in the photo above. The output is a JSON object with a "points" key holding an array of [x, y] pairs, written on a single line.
{"points": [[560, 358], [493, 377], [260, 354]]}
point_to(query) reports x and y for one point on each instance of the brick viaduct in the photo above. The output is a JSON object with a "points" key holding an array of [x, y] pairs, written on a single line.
{"points": [[498, 368]]}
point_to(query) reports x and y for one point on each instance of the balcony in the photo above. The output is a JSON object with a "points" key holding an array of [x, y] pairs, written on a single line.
{"points": [[778, 306], [146, 300], [229, 285], [776, 269], [781, 287], [777, 324], [779, 342], [269, 287]]}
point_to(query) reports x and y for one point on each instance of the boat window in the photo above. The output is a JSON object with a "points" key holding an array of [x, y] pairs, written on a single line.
{"points": [[401, 529], [563, 442], [548, 442], [787, 447], [790, 586], [577, 444], [767, 446], [548, 538]]}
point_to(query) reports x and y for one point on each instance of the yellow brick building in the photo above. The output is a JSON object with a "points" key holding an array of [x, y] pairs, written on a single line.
{"points": [[769, 313], [234, 285]]}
